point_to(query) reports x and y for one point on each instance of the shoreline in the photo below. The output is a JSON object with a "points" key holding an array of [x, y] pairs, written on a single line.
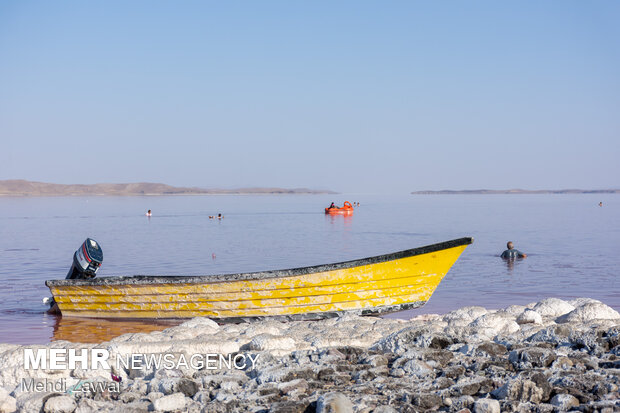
{"points": [[553, 355]]}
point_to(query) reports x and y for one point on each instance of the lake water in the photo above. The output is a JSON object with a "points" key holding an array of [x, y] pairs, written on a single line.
{"points": [[571, 242]]}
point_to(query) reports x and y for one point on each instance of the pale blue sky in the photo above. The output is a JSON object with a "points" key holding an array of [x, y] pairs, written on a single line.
{"points": [[354, 96]]}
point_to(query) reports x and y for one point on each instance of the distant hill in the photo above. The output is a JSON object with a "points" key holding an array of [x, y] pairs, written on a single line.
{"points": [[20, 187], [518, 191]]}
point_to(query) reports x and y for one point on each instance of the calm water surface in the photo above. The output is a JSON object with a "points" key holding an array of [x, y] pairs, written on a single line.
{"points": [[571, 242]]}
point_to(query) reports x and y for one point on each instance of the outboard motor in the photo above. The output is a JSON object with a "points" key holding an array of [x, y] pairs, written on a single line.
{"points": [[86, 261]]}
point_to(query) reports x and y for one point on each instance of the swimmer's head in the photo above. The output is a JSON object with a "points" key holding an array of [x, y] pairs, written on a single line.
{"points": [[509, 245]]}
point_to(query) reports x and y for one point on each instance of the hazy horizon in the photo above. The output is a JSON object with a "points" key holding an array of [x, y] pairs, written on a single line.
{"points": [[350, 97], [418, 192]]}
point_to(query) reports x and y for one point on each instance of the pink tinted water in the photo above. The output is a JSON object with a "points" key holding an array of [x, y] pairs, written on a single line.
{"points": [[571, 244]]}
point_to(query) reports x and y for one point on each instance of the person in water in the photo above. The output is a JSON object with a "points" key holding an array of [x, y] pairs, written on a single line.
{"points": [[219, 216], [148, 213], [511, 253]]}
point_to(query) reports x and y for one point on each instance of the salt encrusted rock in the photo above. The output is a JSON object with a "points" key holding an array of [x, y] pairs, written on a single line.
{"points": [[463, 402], [334, 403], [529, 316], [514, 310], [268, 342], [412, 337], [554, 334], [8, 404], [201, 323], [416, 368], [179, 385], [490, 348], [60, 404], [519, 389], [376, 360], [170, 403], [553, 307], [428, 363], [497, 323], [292, 386], [384, 409], [31, 401], [563, 363], [578, 302], [486, 406], [589, 312], [427, 400], [86, 405], [531, 357], [564, 402], [464, 316]]}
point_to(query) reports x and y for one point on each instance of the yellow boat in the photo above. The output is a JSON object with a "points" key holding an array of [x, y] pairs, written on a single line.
{"points": [[375, 285]]}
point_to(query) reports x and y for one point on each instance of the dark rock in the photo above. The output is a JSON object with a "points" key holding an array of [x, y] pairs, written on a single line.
{"points": [[492, 349], [289, 407], [352, 353], [486, 385], [591, 340], [129, 396], [376, 360], [412, 338], [465, 388], [531, 357], [453, 372], [427, 400], [267, 390], [346, 367], [363, 376], [337, 379], [542, 383], [307, 374], [326, 372], [441, 357], [612, 337], [556, 334], [440, 341], [187, 386], [441, 383], [463, 402], [519, 389]]}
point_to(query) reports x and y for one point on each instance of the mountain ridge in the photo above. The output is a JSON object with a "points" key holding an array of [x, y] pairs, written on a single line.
{"points": [[516, 191], [22, 187]]}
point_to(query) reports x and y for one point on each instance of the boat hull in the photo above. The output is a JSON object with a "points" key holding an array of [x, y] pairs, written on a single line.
{"points": [[347, 209], [374, 285]]}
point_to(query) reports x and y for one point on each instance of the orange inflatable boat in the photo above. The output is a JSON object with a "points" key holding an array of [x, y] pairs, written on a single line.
{"points": [[347, 209]]}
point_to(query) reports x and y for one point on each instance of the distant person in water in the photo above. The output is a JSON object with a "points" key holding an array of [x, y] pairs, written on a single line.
{"points": [[511, 253], [219, 216], [600, 204], [148, 213]]}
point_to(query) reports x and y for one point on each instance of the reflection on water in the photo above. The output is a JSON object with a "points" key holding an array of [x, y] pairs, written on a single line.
{"points": [[510, 264], [571, 244], [89, 330]]}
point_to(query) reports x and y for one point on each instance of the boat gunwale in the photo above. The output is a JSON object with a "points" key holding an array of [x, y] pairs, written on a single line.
{"points": [[260, 275]]}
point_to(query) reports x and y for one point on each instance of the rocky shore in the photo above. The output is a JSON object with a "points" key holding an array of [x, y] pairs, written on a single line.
{"points": [[549, 356]]}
